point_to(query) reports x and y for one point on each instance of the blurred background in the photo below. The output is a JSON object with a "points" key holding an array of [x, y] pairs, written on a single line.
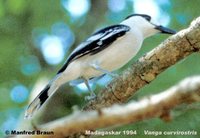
{"points": [[36, 36]]}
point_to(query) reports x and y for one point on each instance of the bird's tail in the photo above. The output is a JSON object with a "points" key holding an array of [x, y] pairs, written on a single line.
{"points": [[40, 99]]}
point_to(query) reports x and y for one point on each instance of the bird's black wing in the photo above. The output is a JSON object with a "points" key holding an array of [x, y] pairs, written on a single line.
{"points": [[97, 42]]}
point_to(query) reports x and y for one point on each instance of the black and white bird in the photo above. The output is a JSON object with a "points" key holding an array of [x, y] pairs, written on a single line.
{"points": [[103, 52]]}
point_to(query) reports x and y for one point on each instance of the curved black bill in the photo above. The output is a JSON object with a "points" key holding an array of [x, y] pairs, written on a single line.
{"points": [[165, 30]]}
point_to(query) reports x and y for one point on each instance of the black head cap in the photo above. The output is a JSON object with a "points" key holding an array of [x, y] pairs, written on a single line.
{"points": [[147, 17]]}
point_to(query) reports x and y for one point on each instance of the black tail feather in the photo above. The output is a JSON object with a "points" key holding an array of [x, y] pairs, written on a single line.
{"points": [[37, 102], [43, 96]]}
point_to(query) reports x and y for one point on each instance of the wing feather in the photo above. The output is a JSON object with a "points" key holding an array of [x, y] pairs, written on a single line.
{"points": [[97, 42]]}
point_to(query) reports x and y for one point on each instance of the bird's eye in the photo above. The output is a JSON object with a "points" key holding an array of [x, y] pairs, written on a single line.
{"points": [[147, 17]]}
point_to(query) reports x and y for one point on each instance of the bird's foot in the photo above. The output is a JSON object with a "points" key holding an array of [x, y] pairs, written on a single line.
{"points": [[104, 71], [113, 75], [90, 97]]}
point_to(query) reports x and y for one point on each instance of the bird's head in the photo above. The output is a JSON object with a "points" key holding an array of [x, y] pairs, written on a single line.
{"points": [[145, 25]]}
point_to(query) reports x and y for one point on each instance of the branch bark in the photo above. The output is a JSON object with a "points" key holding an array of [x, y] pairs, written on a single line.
{"points": [[158, 105], [145, 70]]}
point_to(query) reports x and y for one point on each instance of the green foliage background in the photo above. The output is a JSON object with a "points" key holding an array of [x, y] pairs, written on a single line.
{"points": [[19, 19]]}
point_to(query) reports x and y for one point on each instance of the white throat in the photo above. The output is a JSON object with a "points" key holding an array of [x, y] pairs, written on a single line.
{"points": [[142, 25]]}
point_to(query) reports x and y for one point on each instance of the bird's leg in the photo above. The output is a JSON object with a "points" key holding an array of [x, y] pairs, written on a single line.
{"points": [[92, 94], [97, 67]]}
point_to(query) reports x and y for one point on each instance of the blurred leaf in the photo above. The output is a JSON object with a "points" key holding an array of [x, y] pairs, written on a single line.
{"points": [[16, 6]]}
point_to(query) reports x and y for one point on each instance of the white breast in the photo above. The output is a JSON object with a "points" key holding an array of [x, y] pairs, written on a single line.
{"points": [[115, 56]]}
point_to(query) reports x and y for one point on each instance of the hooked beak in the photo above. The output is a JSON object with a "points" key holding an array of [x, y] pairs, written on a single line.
{"points": [[165, 30]]}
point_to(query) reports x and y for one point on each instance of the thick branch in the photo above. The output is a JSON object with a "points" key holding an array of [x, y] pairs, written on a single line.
{"points": [[149, 66], [187, 91]]}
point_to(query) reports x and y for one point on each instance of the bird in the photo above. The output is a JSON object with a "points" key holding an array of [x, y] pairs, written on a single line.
{"points": [[105, 51]]}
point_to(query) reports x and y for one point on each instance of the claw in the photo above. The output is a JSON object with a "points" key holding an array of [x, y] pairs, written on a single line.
{"points": [[90, 97], [114, 75]]}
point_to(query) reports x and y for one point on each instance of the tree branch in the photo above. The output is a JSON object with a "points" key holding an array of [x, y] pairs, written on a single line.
{"points": [[149, 66], [187, 91]]}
